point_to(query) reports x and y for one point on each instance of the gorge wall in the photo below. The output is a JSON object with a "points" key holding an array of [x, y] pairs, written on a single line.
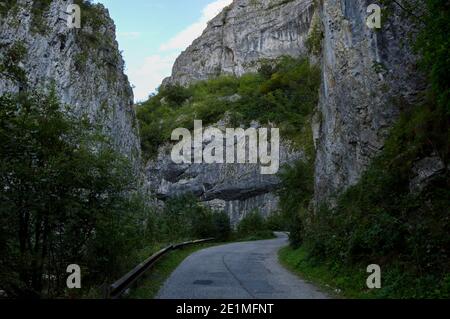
{"points": [[84, 65], [237, 189], [241, 35], [234, 42], [368, 75]]}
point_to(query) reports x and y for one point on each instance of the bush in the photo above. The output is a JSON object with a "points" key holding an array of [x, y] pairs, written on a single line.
{"points": [[9, 62], [253, 226], [296, 191], [222, 226], [66, 198], [284, 92], [38, 11], [174, 95], [6, 6], [314, 41], [277, 222], [380, 218], [185, 218]]}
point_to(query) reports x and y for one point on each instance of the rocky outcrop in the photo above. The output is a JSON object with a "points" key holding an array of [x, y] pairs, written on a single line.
{"points": [[235, 42], [237, 189], [368, 77], [242, 35], [84, 65], [425, 170]]}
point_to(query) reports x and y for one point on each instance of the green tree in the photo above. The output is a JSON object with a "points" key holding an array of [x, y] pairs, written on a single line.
{"points": [[252, 224], [66, 198], [184, 217], [297, 189], [9, 62], [221, 221]]}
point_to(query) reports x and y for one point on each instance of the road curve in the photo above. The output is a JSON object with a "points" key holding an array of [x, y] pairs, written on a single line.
{"points": [[248, 270]]}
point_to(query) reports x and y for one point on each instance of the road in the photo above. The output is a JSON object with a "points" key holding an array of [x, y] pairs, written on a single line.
{"points": [[248, 270]]}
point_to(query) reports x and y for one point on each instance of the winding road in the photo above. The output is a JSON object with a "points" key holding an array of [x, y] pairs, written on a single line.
{"points": [[248, 270]]}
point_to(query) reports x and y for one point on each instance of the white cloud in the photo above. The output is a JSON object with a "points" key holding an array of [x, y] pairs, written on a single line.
{"points": [[183, 39], [148, 77]]}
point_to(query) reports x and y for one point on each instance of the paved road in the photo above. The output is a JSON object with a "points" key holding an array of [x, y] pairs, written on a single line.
{"points": [[247, 270]]}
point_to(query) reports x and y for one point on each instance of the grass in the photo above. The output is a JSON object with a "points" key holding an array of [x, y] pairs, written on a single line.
{"points": [[381, 220], [337, 282], [349, 281]]}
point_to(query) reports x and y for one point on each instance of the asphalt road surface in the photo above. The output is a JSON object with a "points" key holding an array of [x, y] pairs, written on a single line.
{"points": [[248, 270]]}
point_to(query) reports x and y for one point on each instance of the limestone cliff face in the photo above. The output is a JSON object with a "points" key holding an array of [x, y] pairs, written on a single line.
{"points": [[368, 76], [84, 65], [237, 189], [241, 35], [233, 43]]}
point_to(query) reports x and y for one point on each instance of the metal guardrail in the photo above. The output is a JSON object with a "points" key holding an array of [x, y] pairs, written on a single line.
{"points": [[117, 289]]}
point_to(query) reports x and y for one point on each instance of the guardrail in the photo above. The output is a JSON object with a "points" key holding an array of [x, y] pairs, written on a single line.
{"points": [[117, 289]]}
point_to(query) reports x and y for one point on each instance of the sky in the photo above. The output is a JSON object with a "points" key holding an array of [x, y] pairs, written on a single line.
{"points": [[152, 33]]}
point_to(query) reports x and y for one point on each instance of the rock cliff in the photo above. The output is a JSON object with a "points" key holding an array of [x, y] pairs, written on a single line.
{"points": [[369, 75], [237, 189], [84, 65], [241, 35], [235, 41]]}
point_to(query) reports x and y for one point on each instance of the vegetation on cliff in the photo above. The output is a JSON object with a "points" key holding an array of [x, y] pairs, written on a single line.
{"points": [[69, 198], [381, 219], [66, 197], [284, 93]]}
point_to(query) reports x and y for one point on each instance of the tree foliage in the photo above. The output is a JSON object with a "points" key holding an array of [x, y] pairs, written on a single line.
{"points": [[185, 218], [381, 219], [66, 198]]}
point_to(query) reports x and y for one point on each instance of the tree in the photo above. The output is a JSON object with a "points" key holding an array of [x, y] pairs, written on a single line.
{"points": [[65, 198], [296, 191]]}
